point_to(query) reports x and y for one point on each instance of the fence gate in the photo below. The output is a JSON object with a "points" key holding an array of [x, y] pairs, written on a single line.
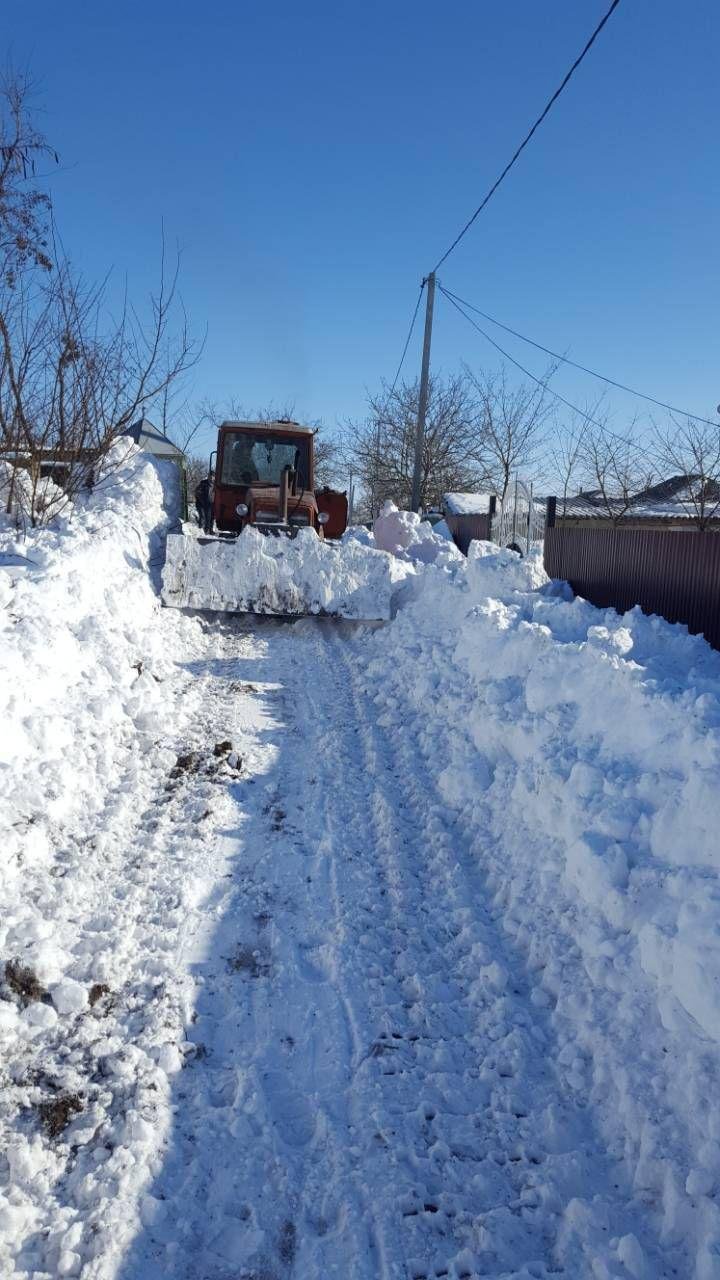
{"points": [[518, 522]]}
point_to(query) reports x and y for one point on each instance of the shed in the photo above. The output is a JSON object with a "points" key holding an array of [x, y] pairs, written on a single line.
{"points": [[147, 437], [682, 501], [468, 517]]}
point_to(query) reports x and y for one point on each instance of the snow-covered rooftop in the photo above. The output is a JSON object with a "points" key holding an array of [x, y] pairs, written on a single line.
{"points": [[466, 504], [677, 498], [149, 438]]}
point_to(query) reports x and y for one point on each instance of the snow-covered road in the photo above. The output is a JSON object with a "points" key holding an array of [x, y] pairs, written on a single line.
{"points": [[382, 953], [370, 1085]]}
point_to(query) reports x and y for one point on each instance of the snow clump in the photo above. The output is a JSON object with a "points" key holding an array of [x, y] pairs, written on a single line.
{"points": [[406, 535]]}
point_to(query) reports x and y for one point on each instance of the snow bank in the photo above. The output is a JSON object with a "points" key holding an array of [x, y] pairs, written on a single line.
{"points": [[86, 716], [78, 656], [581, 752], [260, 574], [442, 530], [405, 535], [17, 498]]}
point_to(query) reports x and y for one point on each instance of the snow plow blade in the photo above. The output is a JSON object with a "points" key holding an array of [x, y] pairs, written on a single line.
{"points": [[260, 573]]}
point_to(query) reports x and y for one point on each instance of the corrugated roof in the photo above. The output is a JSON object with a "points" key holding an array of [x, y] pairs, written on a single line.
{"points": [[677, 498]]}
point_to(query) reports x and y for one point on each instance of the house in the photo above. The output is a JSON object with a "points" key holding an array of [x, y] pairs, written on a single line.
{"points": [[147, 437], [681, 501]]}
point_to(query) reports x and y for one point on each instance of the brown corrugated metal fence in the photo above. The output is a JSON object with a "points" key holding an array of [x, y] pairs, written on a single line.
{"points": [[674, 572], [465, 528]]}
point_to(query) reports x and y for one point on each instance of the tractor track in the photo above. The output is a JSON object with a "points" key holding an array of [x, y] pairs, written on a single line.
{"points": [[370, 1092]]}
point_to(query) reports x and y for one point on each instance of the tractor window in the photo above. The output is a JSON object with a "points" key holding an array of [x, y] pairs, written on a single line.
{"points": [[252, 459]]}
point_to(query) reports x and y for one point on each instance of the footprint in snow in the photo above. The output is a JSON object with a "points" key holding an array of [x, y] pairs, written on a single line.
{"points": [[312, 963], [292, 1114]]}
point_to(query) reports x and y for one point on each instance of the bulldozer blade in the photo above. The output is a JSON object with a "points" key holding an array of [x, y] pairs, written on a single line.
{"points": [[257, 573]]}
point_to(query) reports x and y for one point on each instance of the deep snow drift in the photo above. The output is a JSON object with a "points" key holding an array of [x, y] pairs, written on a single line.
{"points": [[88, 717], [329, 951]]}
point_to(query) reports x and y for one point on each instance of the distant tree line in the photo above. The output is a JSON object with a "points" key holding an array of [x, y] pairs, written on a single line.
{"points": [[479, 431], [483, 429]]}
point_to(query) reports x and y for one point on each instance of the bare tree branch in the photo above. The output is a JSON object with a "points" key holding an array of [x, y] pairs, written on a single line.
{"points": [[690, 450], [381, 449], [513, 424]]}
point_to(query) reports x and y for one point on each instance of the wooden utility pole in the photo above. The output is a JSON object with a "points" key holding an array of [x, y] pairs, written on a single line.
{"points": [[423, 397]]}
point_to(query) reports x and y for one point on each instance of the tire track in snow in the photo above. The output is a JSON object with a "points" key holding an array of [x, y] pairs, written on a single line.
{"points": [[372, 1093], [259, 1184], [495, 1088], [117, 904]]}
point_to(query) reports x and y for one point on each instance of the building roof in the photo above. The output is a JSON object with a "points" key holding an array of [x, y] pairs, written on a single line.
{"points": [[676, 498], [466, 504], [148, 437]]}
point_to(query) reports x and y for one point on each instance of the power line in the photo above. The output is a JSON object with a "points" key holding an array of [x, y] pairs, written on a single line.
{"points": [[407, 340], [543, 383], [583, 368], [525, 140]]}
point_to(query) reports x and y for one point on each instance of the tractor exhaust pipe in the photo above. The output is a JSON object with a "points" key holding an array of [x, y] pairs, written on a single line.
{"points": [[284, 489]]}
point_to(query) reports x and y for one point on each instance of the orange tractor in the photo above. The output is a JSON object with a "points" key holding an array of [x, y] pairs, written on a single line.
{"points": [[264, 476], [270, 542]]}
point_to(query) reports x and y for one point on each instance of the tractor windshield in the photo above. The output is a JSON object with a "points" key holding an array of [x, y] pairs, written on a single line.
{"points": [[252, 459]]}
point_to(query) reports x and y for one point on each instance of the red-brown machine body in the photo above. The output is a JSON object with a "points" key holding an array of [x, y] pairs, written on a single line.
{"points": [[265, 476]]}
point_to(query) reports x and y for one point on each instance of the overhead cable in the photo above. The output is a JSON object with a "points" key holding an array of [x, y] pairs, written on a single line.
{"points": [[612, 382], [407, 340], [527, 138], [543, 383]]}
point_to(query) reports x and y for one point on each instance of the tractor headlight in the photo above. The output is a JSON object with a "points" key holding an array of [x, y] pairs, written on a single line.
{"points": [[323, 517], [242, 508]]}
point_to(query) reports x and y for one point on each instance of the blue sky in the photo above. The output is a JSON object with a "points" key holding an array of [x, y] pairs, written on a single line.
{"points": [[313, 161]]}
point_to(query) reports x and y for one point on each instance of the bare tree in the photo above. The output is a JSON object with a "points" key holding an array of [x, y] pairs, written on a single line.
{"points": [[24, 206], [513, 424], [615, 467], [566, 462], [690, 450], [71, 381], [381, 449]]}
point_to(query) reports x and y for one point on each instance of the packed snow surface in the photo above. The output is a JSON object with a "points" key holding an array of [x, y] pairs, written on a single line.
{"points": [[256, 573], [330, 951]]}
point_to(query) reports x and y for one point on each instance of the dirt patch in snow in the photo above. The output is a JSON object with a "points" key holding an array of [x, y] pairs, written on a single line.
{"points": [[98, 991], [287, 1244], [23, 982], [56, 1113], [250, 961]]}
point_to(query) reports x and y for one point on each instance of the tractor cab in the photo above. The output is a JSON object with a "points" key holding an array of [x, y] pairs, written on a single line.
{"points": [[265, 476]]}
